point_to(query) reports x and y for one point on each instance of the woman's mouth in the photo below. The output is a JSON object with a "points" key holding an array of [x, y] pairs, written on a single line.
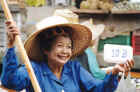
{"points": [[63, 57]]}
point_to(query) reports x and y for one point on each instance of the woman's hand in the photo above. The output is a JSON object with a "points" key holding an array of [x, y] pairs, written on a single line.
{"points": [[12, 31], [126, 67]]}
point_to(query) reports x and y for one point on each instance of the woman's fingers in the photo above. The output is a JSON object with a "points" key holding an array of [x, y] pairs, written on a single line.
{"points": [[9, 22], [126, 67], [117, 68], [131, 63], [12, 31], [11, 28], [120, 69]]}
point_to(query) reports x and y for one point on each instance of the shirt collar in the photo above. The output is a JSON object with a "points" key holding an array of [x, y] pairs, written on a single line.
{"points": [[47, 70]]}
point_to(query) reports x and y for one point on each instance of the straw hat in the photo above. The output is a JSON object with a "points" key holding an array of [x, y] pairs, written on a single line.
{"points": [[81, 36]]}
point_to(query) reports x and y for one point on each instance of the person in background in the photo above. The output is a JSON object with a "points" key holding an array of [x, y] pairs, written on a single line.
{"points": [[50, 49], [88, 57], [88, 60], [77, 3]]}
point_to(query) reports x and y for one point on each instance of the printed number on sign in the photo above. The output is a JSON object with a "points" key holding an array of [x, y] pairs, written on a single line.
{"points": [[117, 53]]}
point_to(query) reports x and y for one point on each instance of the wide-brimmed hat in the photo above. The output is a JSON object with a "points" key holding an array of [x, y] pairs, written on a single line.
{"points": [[81, 36]]}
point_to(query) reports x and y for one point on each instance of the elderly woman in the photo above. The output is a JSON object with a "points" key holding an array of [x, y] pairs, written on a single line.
{"points": [[50, 50]]}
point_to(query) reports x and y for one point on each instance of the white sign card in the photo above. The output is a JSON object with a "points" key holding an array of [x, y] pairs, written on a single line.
{"points": [[117, 53]]}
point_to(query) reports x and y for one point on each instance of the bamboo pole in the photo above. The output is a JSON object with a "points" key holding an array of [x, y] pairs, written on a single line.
{"points": [[21, 49]]}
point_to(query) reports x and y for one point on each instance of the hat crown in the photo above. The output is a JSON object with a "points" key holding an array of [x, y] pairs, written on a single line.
{"points": [[51, 21]]}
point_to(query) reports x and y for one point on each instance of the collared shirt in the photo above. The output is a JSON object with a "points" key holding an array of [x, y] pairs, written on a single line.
{"points": [[73, 77]]}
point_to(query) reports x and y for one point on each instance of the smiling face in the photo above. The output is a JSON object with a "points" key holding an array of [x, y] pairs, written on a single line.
{"points": [[61, 50]]}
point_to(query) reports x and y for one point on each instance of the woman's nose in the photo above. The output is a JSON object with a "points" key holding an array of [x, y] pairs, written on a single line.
{"points": [[65, 50]]}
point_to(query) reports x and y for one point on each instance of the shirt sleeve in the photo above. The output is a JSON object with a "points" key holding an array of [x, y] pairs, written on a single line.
{"points": [[14, 76], [93, 65], [91, 84]]}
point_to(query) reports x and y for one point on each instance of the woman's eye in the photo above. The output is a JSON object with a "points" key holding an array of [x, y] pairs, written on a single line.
{"points": [[59, 45], [69, 47]]}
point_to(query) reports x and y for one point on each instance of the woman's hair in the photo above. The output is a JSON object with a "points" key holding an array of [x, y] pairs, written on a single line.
{"points": [[47, 38]]}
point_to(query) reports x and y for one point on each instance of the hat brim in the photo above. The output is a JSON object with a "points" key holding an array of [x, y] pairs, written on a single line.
{"points": [[81, 36]]}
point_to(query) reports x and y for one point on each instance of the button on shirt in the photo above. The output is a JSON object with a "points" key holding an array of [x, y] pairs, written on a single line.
{"points": [[73, 77]]}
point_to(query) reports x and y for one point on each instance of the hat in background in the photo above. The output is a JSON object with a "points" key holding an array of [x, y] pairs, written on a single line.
{"points": [[68, 14], [81, 36], [96, 30]]}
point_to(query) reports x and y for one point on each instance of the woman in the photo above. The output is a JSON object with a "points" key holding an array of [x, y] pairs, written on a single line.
{"points": [[50, 50]]}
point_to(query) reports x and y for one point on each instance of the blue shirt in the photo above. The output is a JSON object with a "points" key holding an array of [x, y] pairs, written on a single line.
{"points": [[73, 78]]}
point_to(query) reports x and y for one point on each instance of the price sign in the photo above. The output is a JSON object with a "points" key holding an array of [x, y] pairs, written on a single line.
{"points": [[117, 53]]}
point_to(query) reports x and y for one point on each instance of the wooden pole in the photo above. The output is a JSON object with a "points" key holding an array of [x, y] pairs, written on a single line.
{"points": [[21, 49]]}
